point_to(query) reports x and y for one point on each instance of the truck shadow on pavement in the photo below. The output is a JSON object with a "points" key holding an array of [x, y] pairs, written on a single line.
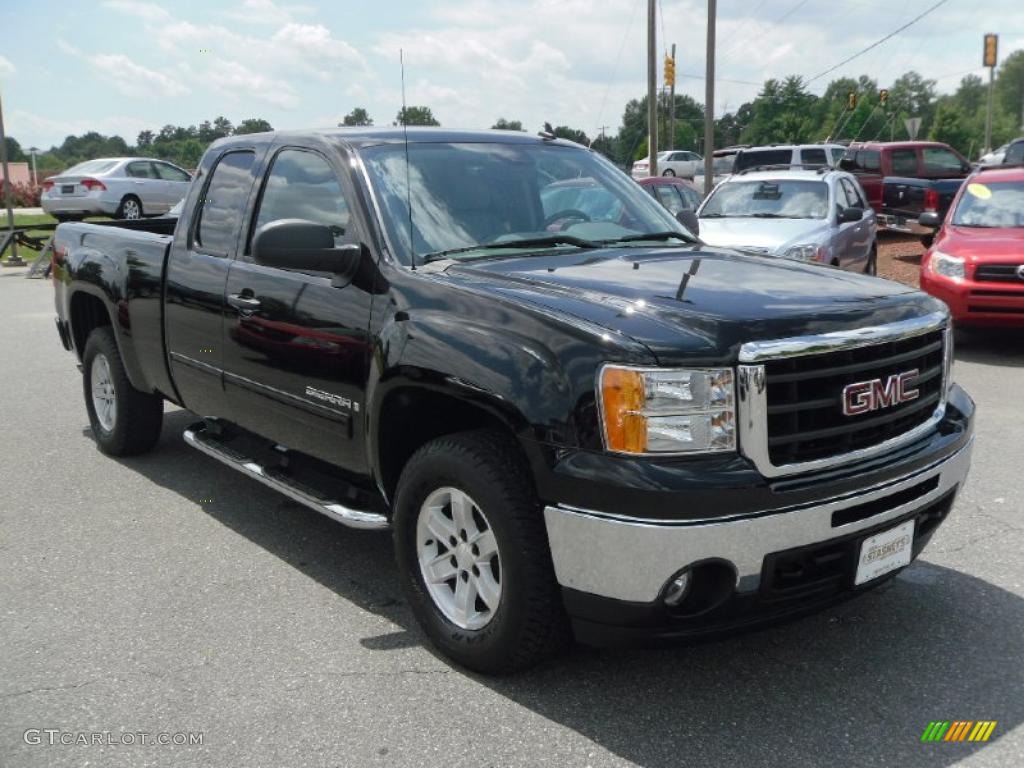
{"points": [[856, 685], [994, 346]]}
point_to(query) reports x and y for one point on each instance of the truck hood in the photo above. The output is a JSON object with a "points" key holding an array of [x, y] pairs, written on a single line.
{"points": [[775, 235], [694, 302]]}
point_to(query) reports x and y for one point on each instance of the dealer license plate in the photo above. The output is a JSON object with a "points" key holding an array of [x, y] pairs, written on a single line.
{"points": [[885, 552]]}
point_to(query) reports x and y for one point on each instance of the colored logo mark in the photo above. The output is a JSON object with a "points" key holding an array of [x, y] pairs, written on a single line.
{"points": [[958, 730]]}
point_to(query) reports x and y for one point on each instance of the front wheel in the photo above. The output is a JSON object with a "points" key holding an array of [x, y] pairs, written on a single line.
{"points": [[473, 554], [124, 420]]}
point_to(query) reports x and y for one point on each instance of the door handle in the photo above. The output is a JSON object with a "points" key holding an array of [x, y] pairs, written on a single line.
{"points": [[244, 301]]}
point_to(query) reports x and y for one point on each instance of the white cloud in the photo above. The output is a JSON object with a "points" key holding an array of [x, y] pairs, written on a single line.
{"points": [[148, 11], [265, 12], [133, 79], [6, 68]]}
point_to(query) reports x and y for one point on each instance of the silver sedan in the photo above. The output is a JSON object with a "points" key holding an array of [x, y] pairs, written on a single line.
{"points": [[124, 187], [821, 216]]}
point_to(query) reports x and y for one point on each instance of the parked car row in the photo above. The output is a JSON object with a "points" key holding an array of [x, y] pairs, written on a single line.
{"points": [[123, 187]]}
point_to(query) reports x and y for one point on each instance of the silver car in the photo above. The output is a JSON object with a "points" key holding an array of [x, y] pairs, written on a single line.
{"points": [[125, 187], [821, 216]]}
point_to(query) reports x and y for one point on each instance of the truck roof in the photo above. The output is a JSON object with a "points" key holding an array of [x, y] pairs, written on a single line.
{"points": [[365, 136], [895, 144]]}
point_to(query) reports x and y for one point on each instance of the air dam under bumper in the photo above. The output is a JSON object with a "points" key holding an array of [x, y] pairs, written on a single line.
{"points": [[613, 570]]}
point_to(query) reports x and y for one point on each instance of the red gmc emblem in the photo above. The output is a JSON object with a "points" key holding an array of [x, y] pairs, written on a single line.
{"points": [[867, 396]]}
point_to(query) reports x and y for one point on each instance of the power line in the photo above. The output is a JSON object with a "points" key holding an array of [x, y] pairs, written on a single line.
{"points": [[876, 43], [618, 58]]}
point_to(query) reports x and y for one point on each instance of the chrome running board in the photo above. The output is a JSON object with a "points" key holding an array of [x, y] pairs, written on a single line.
{"points": [[199, 438]]}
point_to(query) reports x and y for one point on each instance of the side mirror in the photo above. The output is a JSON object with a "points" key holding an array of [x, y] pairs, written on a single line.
{"points": [[689, 219], [303, 245], [848, 215], [930, 219]]}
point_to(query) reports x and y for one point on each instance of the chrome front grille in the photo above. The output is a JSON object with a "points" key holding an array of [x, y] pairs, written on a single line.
{"points": [[792, 417]]}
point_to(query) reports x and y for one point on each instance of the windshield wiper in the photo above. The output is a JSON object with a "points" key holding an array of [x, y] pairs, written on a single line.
{"points": [[715, 216], [533, 242], [666, 235], [770, 216]]}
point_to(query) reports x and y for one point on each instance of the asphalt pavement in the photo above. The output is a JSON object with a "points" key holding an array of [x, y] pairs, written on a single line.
{"points": [[168, 594]]}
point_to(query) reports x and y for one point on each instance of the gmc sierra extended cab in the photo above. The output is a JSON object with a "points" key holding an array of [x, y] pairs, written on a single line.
{"points": [[577, 419]]}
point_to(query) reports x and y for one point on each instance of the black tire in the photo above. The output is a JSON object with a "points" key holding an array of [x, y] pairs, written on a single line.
{"points": [[529, 624], [669, 172], [871, 268], [137, 416], [130, 208]]}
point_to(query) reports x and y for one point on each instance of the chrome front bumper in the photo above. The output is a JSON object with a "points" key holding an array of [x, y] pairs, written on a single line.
{"points": [[630, 559]]}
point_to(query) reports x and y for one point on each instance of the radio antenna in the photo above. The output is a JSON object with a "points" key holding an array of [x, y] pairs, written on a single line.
{"points": [[408, 185]]}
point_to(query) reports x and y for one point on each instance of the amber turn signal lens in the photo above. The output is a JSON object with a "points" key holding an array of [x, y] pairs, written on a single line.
{"points": [[622, 398]]}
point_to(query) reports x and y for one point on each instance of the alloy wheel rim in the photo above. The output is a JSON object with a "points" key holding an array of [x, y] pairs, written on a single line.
{"points": [[103, 394], [131, 209], [458, 558]]}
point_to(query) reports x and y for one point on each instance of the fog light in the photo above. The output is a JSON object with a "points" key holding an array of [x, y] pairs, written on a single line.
{"points": [[677, 589]]}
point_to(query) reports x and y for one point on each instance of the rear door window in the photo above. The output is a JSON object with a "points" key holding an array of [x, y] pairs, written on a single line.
{"points": [[758, 157], [222, 205], [813, 156], [141, 170], [868, 161], [939, 161], [904, 162]]}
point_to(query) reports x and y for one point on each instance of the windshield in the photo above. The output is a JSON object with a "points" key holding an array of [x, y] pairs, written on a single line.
{"points": [[775, 198], [92, 166], [467, 196], [997, 204]]}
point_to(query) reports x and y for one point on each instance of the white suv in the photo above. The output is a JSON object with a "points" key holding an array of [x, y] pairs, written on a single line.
{"points": [[789, 154]]}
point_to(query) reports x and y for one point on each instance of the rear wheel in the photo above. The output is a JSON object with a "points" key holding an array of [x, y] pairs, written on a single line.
{"points": [[124, 420], [473, 554], [130, 208], [669, 172]]}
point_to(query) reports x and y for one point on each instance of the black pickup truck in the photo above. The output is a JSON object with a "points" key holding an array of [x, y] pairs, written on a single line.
{"points": [[578, 419]]}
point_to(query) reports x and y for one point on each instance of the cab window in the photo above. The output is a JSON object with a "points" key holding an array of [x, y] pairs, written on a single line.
{"points": [[302, 185], [904, 162]]}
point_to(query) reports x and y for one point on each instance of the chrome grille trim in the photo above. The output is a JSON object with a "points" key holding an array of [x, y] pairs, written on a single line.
{"points": [[752, 388]]}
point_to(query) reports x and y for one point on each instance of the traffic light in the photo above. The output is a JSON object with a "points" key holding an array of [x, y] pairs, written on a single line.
{"points": [[991, 49], [670, 71], [883, 96], [851, 100]]}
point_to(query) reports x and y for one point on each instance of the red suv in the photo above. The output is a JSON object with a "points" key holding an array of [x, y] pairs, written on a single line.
{"points": [[976, 264]]}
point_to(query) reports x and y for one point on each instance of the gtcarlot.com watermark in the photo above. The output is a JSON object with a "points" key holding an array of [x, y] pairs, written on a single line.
{"points": [[55, 736]]}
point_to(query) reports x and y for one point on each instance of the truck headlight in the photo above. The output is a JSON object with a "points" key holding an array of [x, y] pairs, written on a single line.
{"points": [[946, 265], [808, 252], [663, 410]]}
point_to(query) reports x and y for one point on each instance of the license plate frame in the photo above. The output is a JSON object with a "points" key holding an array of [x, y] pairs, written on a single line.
{"points": [[67, 189], [885, 552]]}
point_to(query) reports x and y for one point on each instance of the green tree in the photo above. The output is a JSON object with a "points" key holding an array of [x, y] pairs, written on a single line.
{"points": [[357, 116], [144, 140], [222, 127], [507, 125], [1010, 87], [14, 151], [253, 125], [949, 126], [415, 116], [572, 134]]}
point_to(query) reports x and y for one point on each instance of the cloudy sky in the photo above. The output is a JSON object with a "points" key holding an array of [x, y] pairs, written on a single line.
{"points": [[118, 66]]}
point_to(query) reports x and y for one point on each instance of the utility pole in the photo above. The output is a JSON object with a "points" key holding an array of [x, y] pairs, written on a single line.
{"points": [[13, 261], [709, 100], [672, 103], [652, 91], [33, 151]]}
